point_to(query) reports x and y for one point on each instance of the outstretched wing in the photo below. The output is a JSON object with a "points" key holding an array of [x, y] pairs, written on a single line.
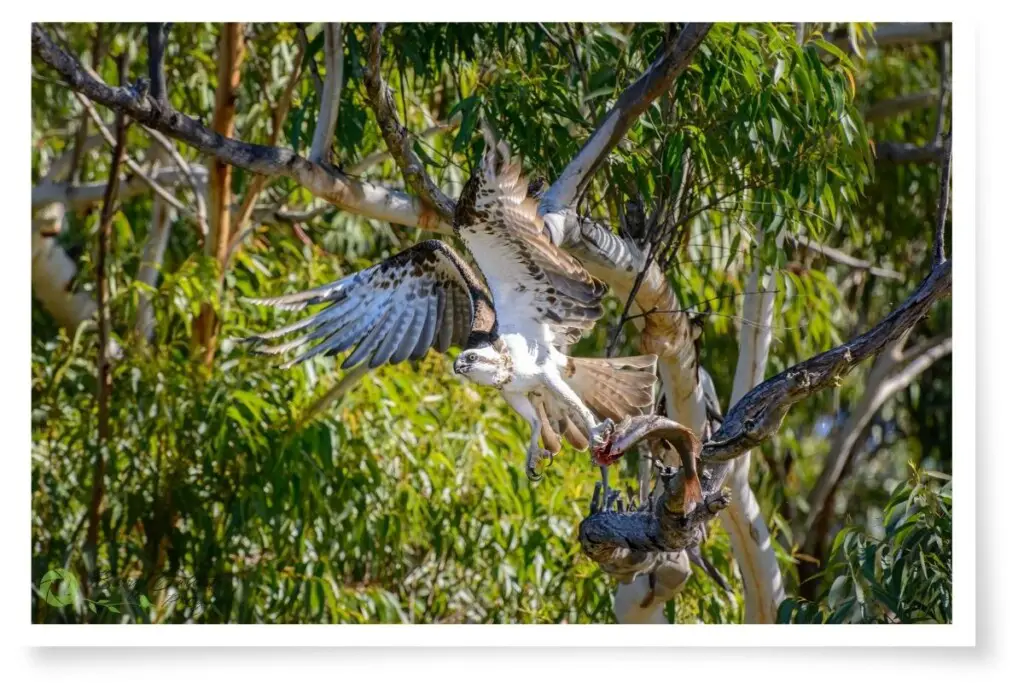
{"points": [[425, 296], [533, 282]]}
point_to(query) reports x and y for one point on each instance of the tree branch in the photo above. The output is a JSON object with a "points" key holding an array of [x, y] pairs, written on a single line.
{"points": [[908, 153], [330, 97], [759, 414], [900, 105], [241, 227], [156, 39], [569, 187], [395, 135], [134, 184], [132, 166], [362, 198], [743, 521], [197, 177], [908, 33], [371, 160], [892, 373], [102, 364], [939, 250], [845, 259]]}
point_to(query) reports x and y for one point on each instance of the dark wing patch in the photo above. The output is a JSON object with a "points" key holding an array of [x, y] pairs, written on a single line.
{"points": [[423, 297], [529, 277]]}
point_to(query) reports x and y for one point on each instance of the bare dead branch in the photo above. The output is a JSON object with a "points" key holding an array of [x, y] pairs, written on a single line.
{"points": [[395, 135], [569, 187], [760, 413], [362, 198]]}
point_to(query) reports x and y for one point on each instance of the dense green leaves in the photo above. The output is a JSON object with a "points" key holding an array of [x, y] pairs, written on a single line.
{"points": [[904, 575]]}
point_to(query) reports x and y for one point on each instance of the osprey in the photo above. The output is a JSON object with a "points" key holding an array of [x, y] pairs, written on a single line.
{"points": [[514, 332]]}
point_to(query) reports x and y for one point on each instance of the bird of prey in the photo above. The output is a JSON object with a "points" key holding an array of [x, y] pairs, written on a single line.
{"points": [[514, 332]]}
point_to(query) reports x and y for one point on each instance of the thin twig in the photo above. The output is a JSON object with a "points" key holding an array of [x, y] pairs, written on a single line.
{"points": [[395, 135], [939, 251], [132, 166], [102, 365]]}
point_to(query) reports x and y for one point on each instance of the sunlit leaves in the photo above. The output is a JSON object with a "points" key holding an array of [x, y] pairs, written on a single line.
{"points": [[903, 577]]}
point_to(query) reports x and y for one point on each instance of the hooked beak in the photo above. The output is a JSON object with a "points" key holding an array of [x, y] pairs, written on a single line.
{"points": [[459, 368]]}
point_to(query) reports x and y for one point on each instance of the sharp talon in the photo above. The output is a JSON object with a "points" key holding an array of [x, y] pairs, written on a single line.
{"points": [[532, 457]]}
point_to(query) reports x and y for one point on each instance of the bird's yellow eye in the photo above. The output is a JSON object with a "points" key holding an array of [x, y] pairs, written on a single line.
{"points": [[471, 358]]}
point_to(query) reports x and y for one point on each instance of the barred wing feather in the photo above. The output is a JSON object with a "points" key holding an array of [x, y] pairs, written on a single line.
{"points": [[423, 297]]}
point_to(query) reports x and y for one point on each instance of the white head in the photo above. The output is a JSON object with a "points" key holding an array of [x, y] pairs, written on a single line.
{"points": [[484, 365]]}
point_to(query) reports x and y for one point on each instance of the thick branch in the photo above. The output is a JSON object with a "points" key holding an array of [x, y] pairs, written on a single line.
{"points": [[759, 415], [156, 40], [569, 187], [395, 135], [743, 521], [365, 199], [330, 97], [668, 525]]}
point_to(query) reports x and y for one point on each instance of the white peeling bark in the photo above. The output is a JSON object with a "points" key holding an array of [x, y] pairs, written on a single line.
{"points": [[53, 270], [751, 543], [80, 196], [161, 219], [330, 100]]}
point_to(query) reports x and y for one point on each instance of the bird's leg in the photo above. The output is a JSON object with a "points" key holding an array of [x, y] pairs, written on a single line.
{"points": [[521, 404], [604, 480], [600, 432]]}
